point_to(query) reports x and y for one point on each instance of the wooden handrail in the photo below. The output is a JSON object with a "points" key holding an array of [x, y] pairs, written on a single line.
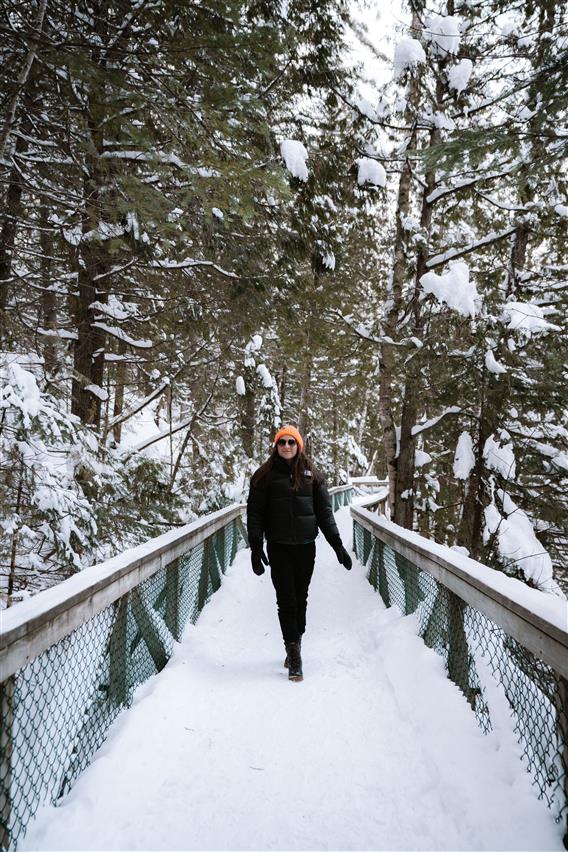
{"points": [[30, 627], [539, 621]]}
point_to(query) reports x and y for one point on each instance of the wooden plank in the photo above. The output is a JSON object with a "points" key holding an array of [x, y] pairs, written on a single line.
{"points": [[545, 639], [31, 627]]}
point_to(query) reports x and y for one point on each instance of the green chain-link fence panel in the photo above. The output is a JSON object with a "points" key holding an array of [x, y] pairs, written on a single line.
{"points": [[480, 657], [56, 711]]}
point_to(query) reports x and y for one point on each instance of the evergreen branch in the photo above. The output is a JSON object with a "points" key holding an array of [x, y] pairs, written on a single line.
{"points": [[452, 254]]}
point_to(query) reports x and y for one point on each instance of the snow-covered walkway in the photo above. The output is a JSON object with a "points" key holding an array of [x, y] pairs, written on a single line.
{"points": [[376, 749]]}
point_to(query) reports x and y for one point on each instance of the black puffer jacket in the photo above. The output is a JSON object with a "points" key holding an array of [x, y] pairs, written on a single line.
{"points": [[285, 516]]}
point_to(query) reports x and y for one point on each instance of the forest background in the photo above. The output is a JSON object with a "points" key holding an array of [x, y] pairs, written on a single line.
{"points": [[221, 216]]}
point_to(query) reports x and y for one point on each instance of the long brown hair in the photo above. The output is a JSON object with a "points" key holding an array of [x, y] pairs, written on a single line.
{"points": [[300, 464]]}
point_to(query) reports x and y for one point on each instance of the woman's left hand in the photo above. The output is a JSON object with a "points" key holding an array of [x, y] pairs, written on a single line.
{"points": [[342, 555]]}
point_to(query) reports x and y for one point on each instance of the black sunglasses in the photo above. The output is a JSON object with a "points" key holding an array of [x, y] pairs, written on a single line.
{"points": [[283, 441]]}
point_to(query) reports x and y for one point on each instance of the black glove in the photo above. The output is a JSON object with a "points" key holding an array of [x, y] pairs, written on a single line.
{"points": [[257, 557], [342, 556]]}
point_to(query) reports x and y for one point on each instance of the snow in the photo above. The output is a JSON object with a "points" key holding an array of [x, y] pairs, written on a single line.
{"points": [[150, 156], [527, 318], [459, 74], [265, 376], [408, 53], [443, 33], [239, 758], [20, 389], [561, 209], [427, 424], [115, 308], [295, 155], [252, 346], [453, 288], [122, 335], [371, 172], [63, 333], [519, 546], [499, 457], [421, 458], [218, 213], [366, 108], [444, 122], [240, 386], [511, 29], [464, 459], [328, 260], [493, 364], [97, 391]]}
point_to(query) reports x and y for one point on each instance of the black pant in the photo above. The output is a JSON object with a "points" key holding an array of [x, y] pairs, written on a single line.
{"points": [[291, 569]]}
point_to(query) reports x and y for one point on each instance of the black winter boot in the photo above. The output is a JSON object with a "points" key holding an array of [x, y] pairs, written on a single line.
{"points": [[286, 664], [294, 661]]}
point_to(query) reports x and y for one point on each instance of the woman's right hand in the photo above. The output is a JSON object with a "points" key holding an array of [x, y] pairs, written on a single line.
{"points": [[257, 557]]}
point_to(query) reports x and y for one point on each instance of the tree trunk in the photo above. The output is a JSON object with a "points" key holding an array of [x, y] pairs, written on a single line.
{"points": [[48, 297], [89, 353], [394, 298], [305, 390], [11, 218], [412, 400], [494, 389], [119, 379], [21, 87]]}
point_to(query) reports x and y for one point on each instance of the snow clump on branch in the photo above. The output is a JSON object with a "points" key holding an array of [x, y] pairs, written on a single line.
{"points": [[458, 75], [518, 545], [527, 318], [464, 459], [500, 458], [454, 288], [443, 33], [370, 172], [493, 365], [295, 155], [408, 53]]}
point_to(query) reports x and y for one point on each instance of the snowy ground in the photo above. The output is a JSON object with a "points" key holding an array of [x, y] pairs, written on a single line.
{"points": [[376, 749]]}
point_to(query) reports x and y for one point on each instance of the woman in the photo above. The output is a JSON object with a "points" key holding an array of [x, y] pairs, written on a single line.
{"points": [[288, 501]]}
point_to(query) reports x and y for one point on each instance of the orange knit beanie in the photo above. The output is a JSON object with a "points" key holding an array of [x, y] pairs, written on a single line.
{"points": [[289, 432]]}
